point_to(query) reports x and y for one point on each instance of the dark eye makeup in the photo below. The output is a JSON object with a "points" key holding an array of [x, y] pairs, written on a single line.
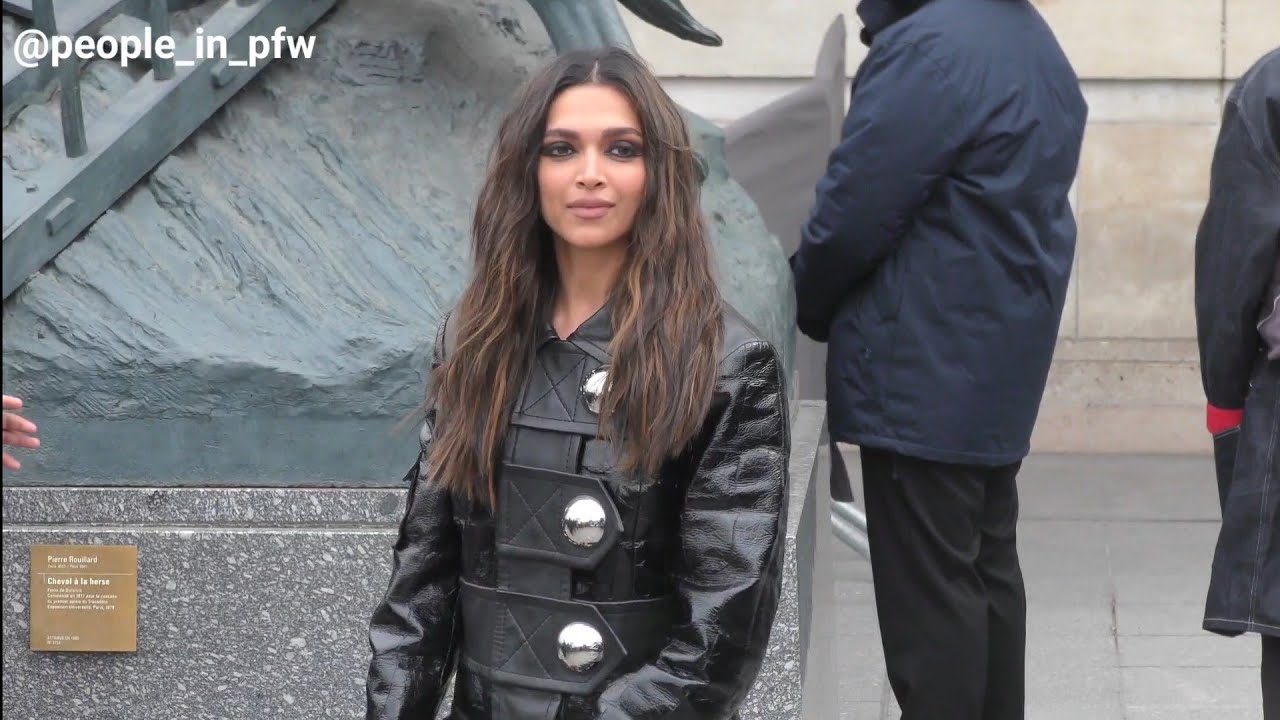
{"points": [[621, 149]]}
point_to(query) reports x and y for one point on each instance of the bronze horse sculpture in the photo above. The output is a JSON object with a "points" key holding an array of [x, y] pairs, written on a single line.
{"points": [[575, 24]]}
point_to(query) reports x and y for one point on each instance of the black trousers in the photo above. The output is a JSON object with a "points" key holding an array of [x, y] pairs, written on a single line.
{"points": [[948, 585], [1270, 677]]}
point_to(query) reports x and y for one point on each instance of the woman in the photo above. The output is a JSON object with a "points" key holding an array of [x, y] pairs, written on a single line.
{"points": [[594, 526]]}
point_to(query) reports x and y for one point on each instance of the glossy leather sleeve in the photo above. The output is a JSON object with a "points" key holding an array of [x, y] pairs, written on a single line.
{"points": [[733, 525], [414, 630]]}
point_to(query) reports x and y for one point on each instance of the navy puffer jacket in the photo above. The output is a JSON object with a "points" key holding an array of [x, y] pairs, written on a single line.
{"points": [[936, 258]]}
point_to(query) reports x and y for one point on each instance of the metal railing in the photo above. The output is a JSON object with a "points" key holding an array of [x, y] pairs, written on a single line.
{"points": [[44, 19], [849, 525], [65, 195], [22, 84]]}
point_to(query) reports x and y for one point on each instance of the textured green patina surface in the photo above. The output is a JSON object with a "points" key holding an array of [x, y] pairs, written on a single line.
{"points": [[259, 309]]}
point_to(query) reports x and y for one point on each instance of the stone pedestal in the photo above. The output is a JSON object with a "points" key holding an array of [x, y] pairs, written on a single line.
{"points": [[254, 602]]}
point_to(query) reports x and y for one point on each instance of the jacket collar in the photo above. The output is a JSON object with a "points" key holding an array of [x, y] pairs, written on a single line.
{"points": [[593, 336], [877, 15]]}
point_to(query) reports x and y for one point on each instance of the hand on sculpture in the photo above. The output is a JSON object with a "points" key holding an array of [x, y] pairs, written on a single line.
{"points": [[18, 431]]}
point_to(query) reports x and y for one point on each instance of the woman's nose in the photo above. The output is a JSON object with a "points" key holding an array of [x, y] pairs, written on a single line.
{"points": [[589, 174]]}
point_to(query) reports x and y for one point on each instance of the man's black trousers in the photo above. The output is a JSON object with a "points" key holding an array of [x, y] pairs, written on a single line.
{"points": [[948, 585]]}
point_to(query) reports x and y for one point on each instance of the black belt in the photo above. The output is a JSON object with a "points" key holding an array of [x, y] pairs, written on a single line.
{"points": [[514, 639]]}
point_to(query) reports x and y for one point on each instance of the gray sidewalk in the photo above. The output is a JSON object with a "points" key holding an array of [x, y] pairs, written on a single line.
{"points": [[1116, 554]]}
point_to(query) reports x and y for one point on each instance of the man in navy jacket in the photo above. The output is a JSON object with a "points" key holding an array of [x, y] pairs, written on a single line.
{"points": [[935, 265]]}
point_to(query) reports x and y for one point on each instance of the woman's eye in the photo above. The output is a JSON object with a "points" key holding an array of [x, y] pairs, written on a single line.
{"points": [[626, 150], [557, 150]]}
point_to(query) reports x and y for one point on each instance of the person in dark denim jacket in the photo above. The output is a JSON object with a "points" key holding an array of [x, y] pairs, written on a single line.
{"points": [[1237, 293], [935, 265]]}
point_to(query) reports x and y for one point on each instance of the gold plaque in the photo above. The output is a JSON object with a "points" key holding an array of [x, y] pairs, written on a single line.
{"points": [[84, 598]]}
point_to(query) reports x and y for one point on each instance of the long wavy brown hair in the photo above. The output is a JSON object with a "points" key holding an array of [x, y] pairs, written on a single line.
{"points": [[666, 309]]}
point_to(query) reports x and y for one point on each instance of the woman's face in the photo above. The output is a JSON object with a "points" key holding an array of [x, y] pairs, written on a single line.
{"points": [[591, 172]]}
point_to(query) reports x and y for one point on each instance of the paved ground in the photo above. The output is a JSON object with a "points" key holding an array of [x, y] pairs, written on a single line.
{"points": [[1116, 554]]}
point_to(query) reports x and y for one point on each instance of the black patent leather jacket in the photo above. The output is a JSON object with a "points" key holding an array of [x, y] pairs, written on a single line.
{"points": [[649, 599]]}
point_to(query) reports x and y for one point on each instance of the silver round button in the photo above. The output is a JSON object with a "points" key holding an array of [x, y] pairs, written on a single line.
{"points": [[580, 646], [584, 519], [593, 388]]}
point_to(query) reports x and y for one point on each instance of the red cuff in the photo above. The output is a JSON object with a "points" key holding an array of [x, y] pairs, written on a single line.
{"points": [[1221, 420]]}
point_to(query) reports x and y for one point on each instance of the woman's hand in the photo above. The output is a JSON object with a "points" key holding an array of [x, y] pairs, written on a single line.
{"points": [[18, 431]]}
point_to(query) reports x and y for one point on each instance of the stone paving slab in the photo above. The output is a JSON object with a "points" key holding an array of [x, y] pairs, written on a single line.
{"points": [[1160, 620], [1161, 548], [1202, 651], [1193, 689], [1186, 588], [1216, 712]]}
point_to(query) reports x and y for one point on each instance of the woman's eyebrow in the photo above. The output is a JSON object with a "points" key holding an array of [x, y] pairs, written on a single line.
{"points": [[574, 135]]}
